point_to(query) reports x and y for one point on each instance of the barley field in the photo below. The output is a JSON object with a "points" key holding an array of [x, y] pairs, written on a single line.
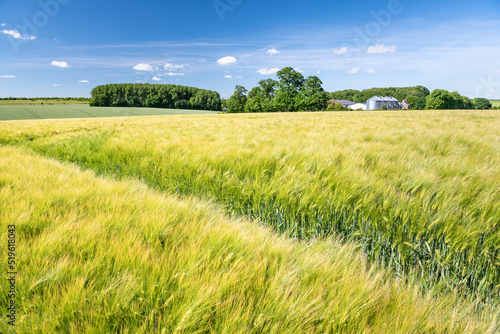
{"points": [[300, 222]]}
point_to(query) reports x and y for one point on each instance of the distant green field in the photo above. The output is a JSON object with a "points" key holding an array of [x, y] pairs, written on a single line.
{"points": [[495, 103], [28, 102], [20, 112]]}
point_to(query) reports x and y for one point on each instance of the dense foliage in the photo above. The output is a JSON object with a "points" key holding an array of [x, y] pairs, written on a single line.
{"points": [[155, 96], [441, 99], [482, 103], [291, 92]]}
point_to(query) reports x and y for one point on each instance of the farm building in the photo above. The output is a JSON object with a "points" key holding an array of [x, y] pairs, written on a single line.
{"points": [[405, 104], [377, 102], [345, 103], [357, 106]]}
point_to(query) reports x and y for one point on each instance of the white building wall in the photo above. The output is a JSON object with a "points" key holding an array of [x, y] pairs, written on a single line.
{"points": [[358, 106]]}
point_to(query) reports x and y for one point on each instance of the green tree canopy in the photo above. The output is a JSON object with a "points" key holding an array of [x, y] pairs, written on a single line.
{"points": [[255, 100], [347, 94], [290, 82], [482, 103], [236, 103], [155, 96], [416, 102], [261, 97], [311, 96], [441, 99]]}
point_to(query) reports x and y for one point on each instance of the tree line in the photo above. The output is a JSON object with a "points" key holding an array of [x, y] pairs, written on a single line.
{"points": [[155, 96], [419, 97], [291, 92]]}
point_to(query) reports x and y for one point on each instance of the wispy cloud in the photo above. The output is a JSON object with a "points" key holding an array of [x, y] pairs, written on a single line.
{"points": [[169, 67], [371, 71], [228, 76], [83, 81], [354, 70], [3, 25], [173, 73], [381, 48], [7, 76], [265, 71], [143, 67], [16, 34], [273, 51], [61, 64], [341, 51], [156, 79], [227, 60], [57, 85]]}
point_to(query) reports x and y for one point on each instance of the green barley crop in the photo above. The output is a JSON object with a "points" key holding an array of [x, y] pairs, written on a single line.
{"points": [[419, 191], [97, 255]]}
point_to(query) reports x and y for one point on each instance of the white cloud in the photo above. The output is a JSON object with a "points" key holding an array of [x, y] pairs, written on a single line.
{"points": [[319, 72], [83, 81], [430, 71], [273, 51], [239, 77], [3, 25], [227, 60], [265, 71], [7, 76], [299, 70], [156, 79], [372, 71], [169, 67], [61, 64], [341, 51], [354, 70], [57, 85], [173, 74], [17, 35], [228, 76], [143, 67], [381, 48]]}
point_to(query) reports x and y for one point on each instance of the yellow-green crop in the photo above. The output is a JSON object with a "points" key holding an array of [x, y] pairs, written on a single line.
{"points": [[102, 256], [418, 191]]}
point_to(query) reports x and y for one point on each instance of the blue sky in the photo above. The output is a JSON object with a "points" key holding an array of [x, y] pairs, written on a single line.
{"points": [[67, 47]]}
